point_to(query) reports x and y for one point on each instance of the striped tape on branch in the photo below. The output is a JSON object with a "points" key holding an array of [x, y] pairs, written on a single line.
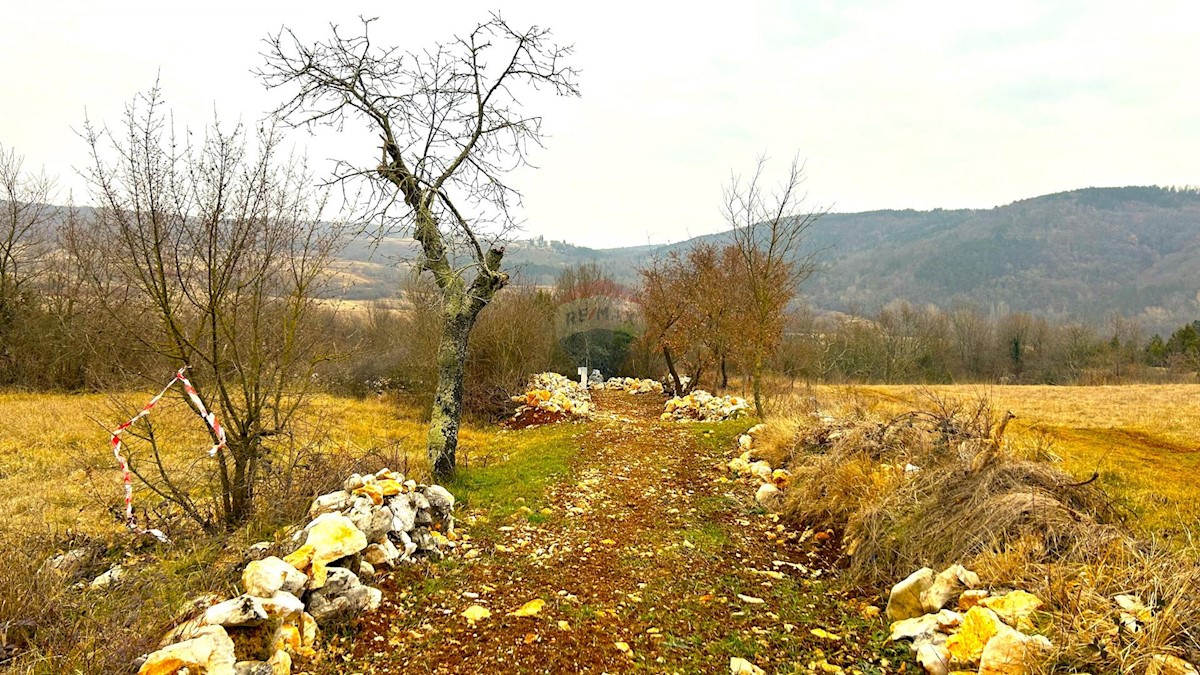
{"points": [[209, 418]]}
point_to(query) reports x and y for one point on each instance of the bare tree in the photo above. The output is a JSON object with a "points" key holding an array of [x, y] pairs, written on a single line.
{"points": [[769, 228], [669, 297], [718, 296], [452, 125], [221, 251], [25, 216]]}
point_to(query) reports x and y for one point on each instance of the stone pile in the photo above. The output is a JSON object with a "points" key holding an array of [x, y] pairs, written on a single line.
{"points": [[634, 385], [374, 520], [984, 631], [772, 482], [554, 394], [702, 406]]}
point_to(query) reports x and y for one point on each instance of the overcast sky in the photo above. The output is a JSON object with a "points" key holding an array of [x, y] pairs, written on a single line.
{"points": [[894, 104]]}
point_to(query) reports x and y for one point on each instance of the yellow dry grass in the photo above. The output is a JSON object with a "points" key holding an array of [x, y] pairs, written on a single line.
{"points": [[57, 470], [1143, 440]]}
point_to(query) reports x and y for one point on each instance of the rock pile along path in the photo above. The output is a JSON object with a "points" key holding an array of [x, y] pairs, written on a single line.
{"points": [[650, 560]]}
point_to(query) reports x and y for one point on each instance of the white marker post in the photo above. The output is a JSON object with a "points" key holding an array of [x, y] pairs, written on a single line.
{"points": [[583, 374]]}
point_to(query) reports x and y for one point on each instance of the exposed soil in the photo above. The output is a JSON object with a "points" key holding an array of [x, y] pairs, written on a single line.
{"points": [[649, 559]]}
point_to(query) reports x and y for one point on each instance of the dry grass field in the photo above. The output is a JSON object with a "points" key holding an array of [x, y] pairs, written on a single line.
{"points": [[57, 471], [1143, 440], [60, 489]]}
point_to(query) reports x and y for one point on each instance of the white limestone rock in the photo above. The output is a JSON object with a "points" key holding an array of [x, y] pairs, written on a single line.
{"points": [[264, 578], [211, 652], [905, 599], [333, 502], [947, 586], [769, 497], [244, 610]]}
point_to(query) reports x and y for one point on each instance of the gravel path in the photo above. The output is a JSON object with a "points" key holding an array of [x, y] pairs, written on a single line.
{"points": [[648, 558]]}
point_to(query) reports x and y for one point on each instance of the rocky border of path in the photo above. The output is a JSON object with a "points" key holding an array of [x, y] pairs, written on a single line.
{"points": [[375, 520]]}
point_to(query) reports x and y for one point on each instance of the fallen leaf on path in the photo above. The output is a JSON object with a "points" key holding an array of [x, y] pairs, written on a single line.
{"points": [[740, 666], [476, 613], [563, 625], [768, 573], [530, 608], [750, 599], [824, 634]]}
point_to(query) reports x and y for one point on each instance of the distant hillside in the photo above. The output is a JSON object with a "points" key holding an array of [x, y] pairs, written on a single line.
{"points": [[1079, 254]]}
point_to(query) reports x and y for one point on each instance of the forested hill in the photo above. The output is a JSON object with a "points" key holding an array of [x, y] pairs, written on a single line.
{"points": [[1080, 254]]}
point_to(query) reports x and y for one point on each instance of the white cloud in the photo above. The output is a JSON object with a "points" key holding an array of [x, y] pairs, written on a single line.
{"points": [[895, 104]]}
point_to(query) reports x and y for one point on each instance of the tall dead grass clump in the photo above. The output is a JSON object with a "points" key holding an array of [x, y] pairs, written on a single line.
{"points": [[941, 485], [51, 622]]}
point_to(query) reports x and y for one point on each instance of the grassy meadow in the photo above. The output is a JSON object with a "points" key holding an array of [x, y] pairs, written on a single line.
{"points": [[60, 488], [57, 471], [1142, 440]]}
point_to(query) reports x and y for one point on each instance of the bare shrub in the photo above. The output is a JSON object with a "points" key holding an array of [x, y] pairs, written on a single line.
{"points": [[221, 249], [510, 343]]}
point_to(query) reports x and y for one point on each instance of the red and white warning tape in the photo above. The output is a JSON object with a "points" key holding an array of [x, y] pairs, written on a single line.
{"points": [[209, 417]]}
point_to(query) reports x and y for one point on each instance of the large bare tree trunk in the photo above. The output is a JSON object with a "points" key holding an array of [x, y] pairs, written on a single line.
{"points": [[446, 414]]}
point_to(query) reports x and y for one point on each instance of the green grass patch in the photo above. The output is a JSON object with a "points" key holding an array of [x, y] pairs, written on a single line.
{"points": [[531, 459], [711, 505], [709, 537], [722, 435]]}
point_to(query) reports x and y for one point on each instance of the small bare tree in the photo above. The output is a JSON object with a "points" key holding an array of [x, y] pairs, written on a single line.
{"points": [[452, 125], [769, 231], [25, 218], [220, 250], [670, 297]]}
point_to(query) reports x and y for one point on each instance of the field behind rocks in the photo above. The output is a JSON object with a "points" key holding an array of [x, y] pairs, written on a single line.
{"points": [[1143, 440]]}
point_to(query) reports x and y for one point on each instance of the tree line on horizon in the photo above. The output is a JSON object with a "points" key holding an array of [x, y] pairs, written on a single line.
{"points": [[907, 343]]}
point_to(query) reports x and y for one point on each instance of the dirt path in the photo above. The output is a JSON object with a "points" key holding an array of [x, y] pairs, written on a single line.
{"points": [[648, 560]]}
